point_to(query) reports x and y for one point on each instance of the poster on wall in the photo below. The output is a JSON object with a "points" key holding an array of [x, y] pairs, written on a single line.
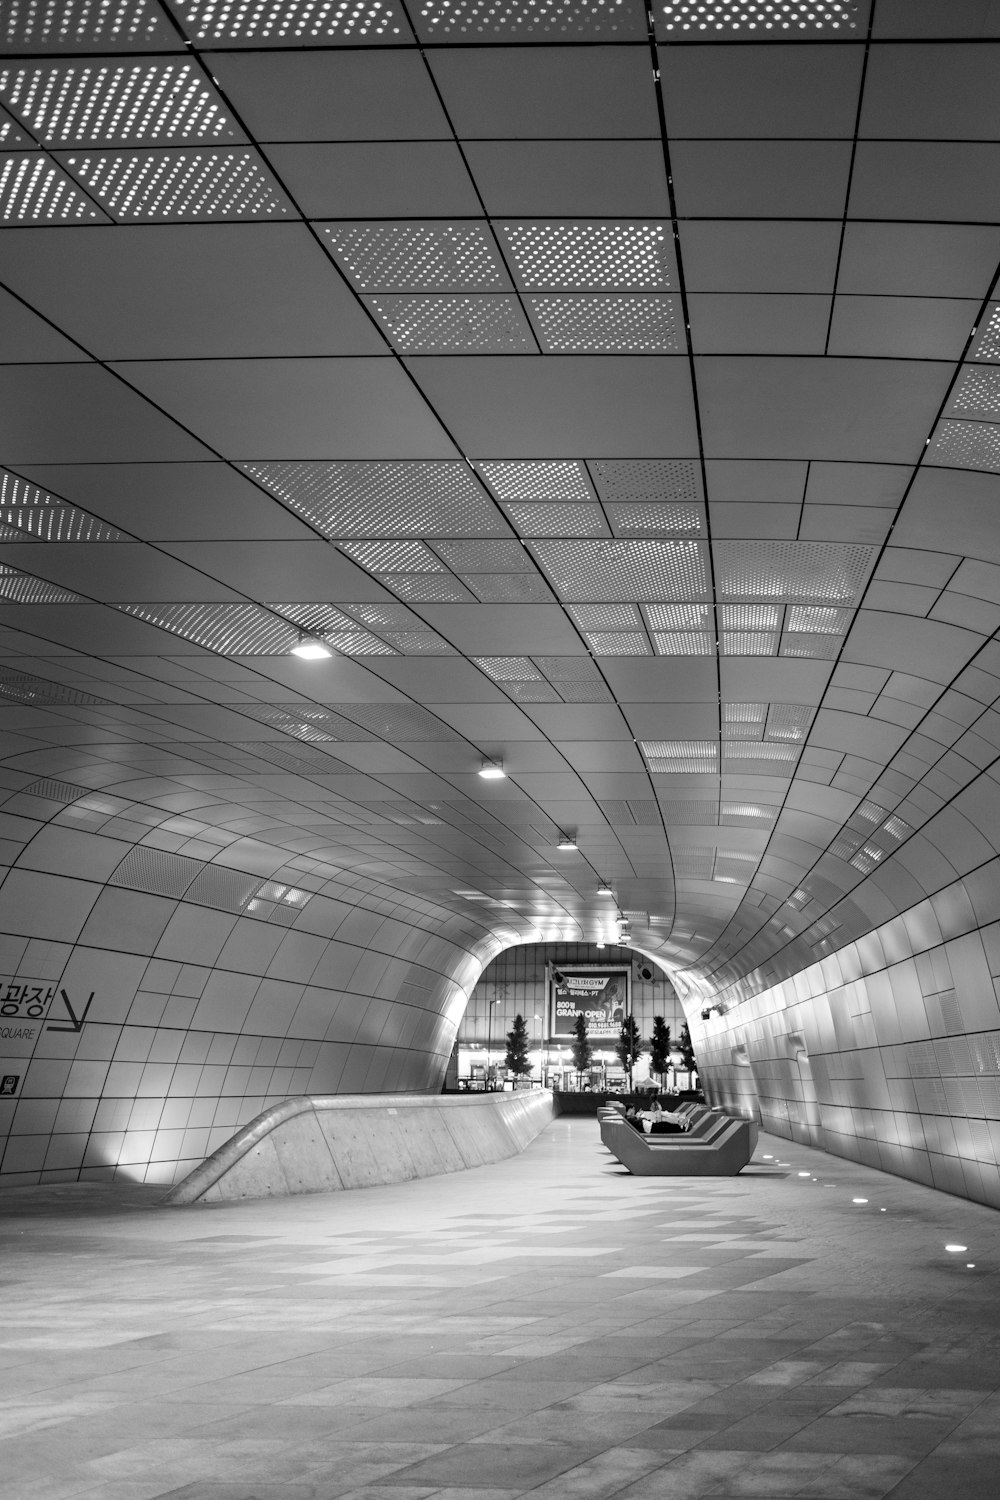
{"points": [[599, 994]]}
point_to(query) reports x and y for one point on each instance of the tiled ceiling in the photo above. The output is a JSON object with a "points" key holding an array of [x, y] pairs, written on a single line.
{"points": [[616, 391]]}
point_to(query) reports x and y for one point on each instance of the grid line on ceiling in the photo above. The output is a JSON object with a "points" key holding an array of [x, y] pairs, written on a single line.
{"points": [[30, 511], [655, 570], [383, 498], [231, 629], [967, 445], [292, 22], [115, 102], [33, 190], [181, 185], [477, 324], [536, 480], [589, 256], [623, 323], [65, 25], [695, 20], [24, 588], [792, 572], [417, 257]]}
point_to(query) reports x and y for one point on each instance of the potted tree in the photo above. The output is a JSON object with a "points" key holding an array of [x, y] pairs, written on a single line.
{"points": [[628, 1046], [659, 1048], [583, 1053], [517, 1060]]}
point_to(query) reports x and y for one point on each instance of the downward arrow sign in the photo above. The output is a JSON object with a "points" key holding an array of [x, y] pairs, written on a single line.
{"points": [[75, 1021]]}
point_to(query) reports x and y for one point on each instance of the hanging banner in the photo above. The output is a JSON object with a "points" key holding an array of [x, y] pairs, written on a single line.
{"points": [[601, 995]]}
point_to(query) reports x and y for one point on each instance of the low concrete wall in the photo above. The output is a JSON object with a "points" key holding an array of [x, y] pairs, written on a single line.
{"points": [[322, 1145]]}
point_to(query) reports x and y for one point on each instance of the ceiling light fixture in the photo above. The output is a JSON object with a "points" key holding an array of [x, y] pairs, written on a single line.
{"points": [[604, 890], [566, 843], [310, 647], [492, 770]]}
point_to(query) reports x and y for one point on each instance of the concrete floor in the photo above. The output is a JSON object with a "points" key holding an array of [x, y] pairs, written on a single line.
{"points": [[547, 1325]]}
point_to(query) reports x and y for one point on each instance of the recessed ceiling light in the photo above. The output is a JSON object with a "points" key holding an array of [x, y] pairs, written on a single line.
{"points": [[310, 648], [566, 843], [956, 1249], [492, 770]]}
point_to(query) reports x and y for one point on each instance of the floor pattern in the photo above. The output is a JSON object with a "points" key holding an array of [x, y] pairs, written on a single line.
{"points": [[547, 1325]]}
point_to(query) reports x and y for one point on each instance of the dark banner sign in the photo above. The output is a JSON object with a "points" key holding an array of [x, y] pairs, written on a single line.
{"points": [[601, 995]]}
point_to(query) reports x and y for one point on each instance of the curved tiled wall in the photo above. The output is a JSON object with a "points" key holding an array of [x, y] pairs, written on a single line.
{"points": [[217, 989]]}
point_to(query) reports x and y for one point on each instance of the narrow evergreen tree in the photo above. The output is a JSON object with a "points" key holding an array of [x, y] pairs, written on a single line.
{"points": [[628, 1046], [687, 1050], [583, 1054], [659, 1047], [517, 1059]]}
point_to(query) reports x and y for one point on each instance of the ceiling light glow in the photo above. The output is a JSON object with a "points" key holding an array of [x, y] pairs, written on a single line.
{"points": [[566, 843], [310, 648], [492, 770]]}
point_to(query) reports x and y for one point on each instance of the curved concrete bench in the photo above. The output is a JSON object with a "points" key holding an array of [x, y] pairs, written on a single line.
{"points": [[715, 1146], [321, 1145]]}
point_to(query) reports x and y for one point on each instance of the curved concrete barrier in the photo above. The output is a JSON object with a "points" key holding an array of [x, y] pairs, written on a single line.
{"points": [[322, 1145]]}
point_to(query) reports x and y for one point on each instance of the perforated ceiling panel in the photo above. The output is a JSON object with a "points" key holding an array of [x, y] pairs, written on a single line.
{"points": [[695, 20], [32, 512], [794, 572], [509, 588], [683, 643], [34, 191], [606, 616], [24, 588], [26, 687], [454, 325], [967, 445], [423, 588], [399, 722], [383, 499], [591, 256], [635, 480], [83, 25], [485, 557], [292, 22], [978, 393], [115, 103], [180, 185], [305, 721], [680, 757], [231, 629], [617, 642], [394, 557], [610, 325], [536, 481], [987, 345], [457, 257], [625, 570], [653, 519], [558, 520]]}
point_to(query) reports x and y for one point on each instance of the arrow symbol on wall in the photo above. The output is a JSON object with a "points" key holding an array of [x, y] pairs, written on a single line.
{"points": [[75, 1021]]}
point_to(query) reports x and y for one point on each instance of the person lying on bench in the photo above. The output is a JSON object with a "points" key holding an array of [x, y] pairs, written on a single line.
{"points": [[664, 1121]]}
